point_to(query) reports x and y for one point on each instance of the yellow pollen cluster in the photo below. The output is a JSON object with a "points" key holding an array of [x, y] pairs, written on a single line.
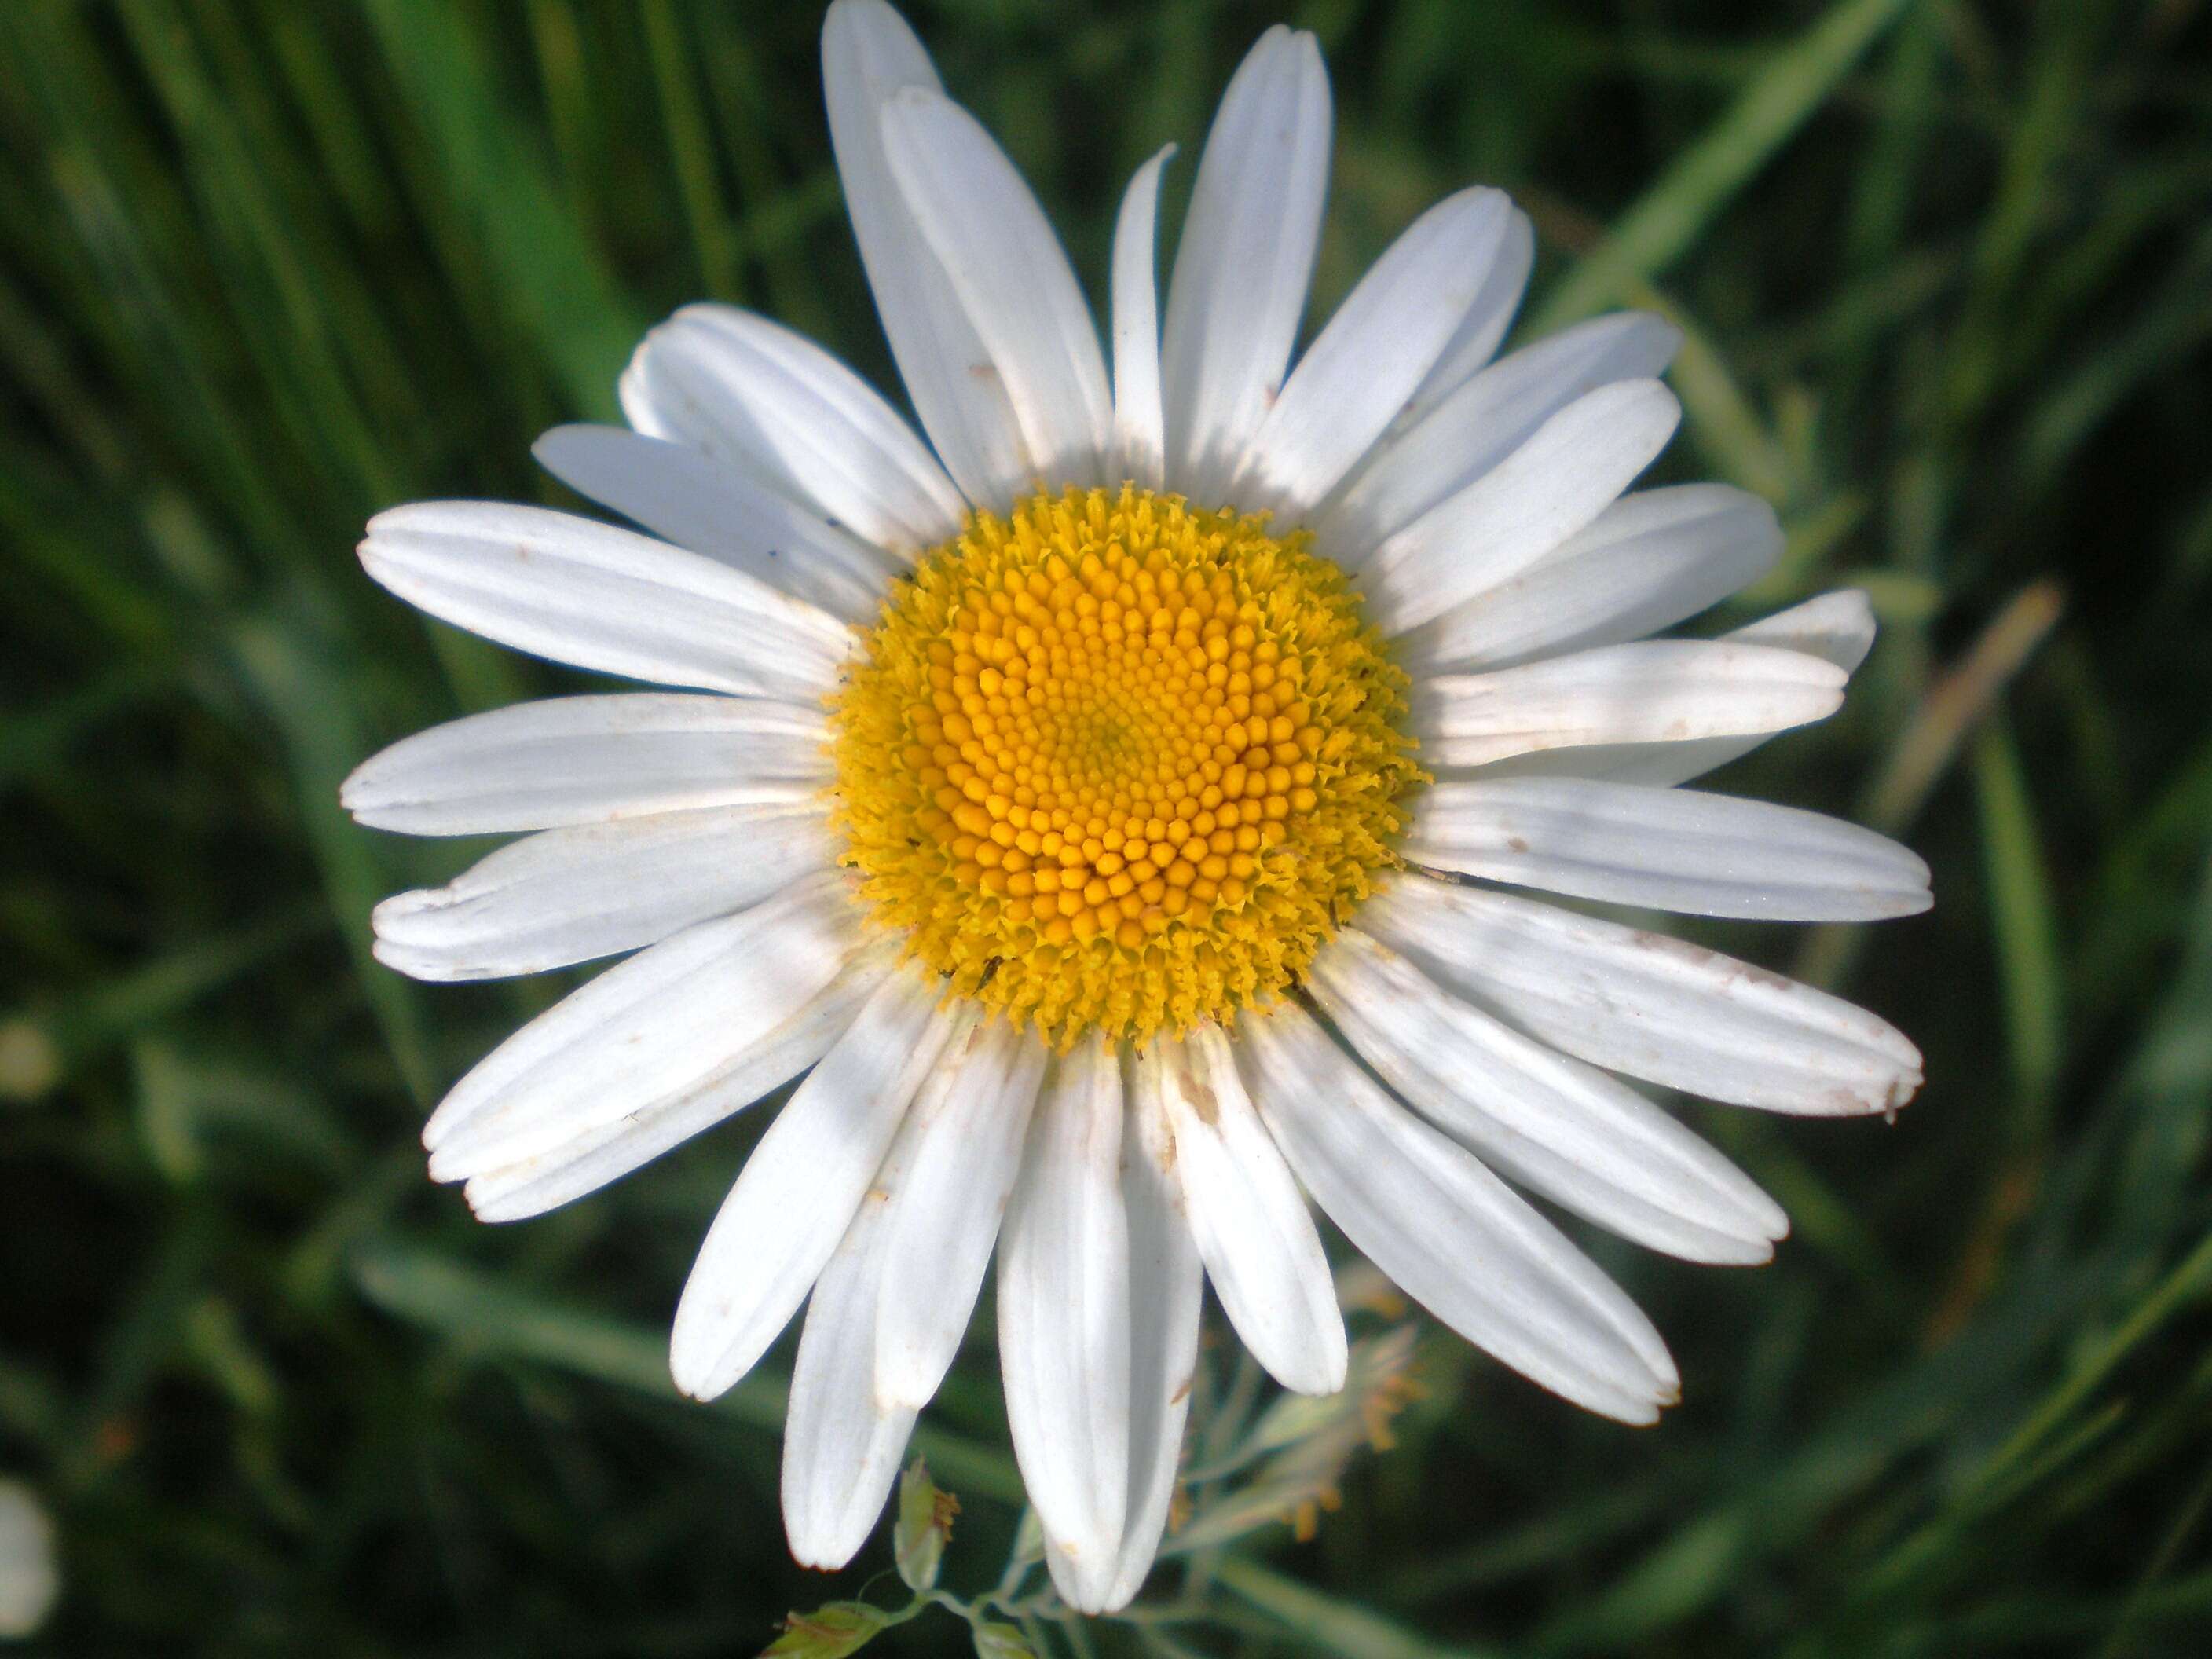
{"points": [[1114, 763]]}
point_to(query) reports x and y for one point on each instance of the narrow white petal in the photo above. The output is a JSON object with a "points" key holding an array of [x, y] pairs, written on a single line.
{"points": [[1139, 437], [1165, 1283], [1667, 850], [1650, 691], [1381, 344], [803, 1183], [666, 1026], [560, 586], [1246, 257], [868, 54], [568, 896], [1646, 562], [708, 506], [590, 760], [944, 1216], [1447, 1231], [1064, 1319], [774, 405], [1562, 1128], [1484, 420], [1249, 1219], [1012, 277], [1651, 1006], [1475, 340], [536, 1183], [842, 1450], [1837, 627], [1523, 509]]}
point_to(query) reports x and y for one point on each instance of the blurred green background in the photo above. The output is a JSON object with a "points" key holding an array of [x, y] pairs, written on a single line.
{"points": [[267, 266]]}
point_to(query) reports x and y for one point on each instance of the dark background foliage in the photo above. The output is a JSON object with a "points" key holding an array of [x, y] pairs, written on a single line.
{"points": [[267, 266]]}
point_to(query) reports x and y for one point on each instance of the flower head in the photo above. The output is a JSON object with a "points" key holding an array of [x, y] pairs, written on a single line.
{"points": [[1107, 808]]}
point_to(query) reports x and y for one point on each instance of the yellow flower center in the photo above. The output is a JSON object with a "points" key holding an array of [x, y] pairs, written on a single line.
{"points": [[1111, 762]]}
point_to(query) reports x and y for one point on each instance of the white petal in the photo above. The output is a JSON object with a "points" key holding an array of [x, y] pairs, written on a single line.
{"points": [[1523, 509], [1447, 1231], [560, 586], [840, 1449], [1837, 627], [1484, 420], [774, 405], [536, 1182], [1064, 1319], [1565, 1129], [708, 506], [799, 1190], [1246, 257], [1668, 849], [667, 1025], [1651, 692], [1011, 276], [944, 1216], [1139, 437], [589, 760], [1646, 562], [1248, 1218], [1475, 340], [568, 896], [868, 53], [1381, 344], [1165, 1283], [1649, 1005]]}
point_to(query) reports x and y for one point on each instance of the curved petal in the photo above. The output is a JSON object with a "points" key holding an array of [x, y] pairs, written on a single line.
{"points": [[1648, 561], [1246, 257], [772, 405], [1651, 692], [799, 1191], [1064, 1317], [560, 586], [702, 504], [589, 760], [1523, 509], [1359, 374], [868, 54], [1651, 1006], [536, 1183], [1475, 340], [944, 1216], [1012, 277], [667, 1025], [1246, 1212], [841, 1449], [1837, 627], [568, 896], [1165, 1284], [1560, 1127], [1447, 1231], [1139, 437], [1668, 849], [1484, 420]]}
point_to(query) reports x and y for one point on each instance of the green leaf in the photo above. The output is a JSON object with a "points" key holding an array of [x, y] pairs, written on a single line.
{"points": [[830, 1631], [925, 1525], [1677, 211], [549, 270]]}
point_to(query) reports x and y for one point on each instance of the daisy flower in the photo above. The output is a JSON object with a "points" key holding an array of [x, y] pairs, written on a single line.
{"points": [[1115, 806]]}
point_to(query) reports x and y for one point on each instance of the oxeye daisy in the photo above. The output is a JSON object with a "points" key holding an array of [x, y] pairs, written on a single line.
{"points": [[1115, 806]]}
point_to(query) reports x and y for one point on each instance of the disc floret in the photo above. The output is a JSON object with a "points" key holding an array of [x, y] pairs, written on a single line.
{"points": [[1113, 763]]}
